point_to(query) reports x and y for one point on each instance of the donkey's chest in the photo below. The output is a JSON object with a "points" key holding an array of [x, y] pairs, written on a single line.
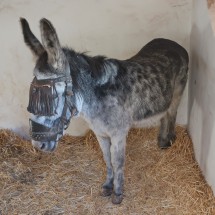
{"points": [[106, 120], [98, 126]]}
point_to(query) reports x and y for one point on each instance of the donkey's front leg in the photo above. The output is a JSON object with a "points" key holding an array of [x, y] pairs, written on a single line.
{"points": [[118, 144], [105, 144]]}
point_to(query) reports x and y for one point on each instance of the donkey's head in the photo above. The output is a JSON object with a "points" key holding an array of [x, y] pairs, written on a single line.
{"points": [[51, 99]]}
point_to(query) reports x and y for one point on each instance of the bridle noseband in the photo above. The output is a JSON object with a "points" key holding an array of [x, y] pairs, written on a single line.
{"points": [[42, 102]]}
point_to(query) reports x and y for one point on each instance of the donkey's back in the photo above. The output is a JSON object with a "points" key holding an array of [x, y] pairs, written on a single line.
{"points": [[163, 47]]}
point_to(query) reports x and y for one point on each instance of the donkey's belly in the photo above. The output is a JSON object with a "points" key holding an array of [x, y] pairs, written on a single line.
{"points": [[149, 122]]}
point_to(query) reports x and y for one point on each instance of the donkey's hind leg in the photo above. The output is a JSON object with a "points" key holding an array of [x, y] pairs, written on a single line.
{"points": [[105, 145], [167, 129]]}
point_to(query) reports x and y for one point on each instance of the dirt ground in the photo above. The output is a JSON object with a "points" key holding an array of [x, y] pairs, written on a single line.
{"points": [[68, 181]]}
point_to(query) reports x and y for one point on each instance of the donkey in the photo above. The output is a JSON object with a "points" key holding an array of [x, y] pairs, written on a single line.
{"points": [[111, 95]]}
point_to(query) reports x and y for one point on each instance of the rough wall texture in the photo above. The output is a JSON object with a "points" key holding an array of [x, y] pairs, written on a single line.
{"points": [[113, 28], [201, 114]]}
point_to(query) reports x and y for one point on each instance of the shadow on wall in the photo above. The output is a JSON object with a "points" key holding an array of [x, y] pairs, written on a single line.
{"points": [[201, 115]]}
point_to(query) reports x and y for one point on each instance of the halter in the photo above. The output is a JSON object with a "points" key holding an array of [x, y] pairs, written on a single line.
{"points": [[42, 97]]}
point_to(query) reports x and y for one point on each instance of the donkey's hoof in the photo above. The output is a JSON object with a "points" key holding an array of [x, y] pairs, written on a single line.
{"points": [[117, 199], [172, 137], [164, 144], [106, 191]]}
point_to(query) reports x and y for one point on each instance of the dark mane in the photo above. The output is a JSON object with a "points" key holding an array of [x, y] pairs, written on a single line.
{"points": [[95, 66]]}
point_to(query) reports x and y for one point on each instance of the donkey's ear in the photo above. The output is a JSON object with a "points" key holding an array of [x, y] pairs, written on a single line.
{"points": [[30, 40], [51, 43]]}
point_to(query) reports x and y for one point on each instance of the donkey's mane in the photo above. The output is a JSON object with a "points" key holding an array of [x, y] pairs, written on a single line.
{"points": [[108, 74], [81, 61]]}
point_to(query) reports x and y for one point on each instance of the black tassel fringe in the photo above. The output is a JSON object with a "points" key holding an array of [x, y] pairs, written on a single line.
{"points": [[42, 100]]}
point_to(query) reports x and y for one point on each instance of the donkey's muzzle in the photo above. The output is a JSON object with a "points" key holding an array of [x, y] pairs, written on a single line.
{"points": [[45, 146], [42, 133]]}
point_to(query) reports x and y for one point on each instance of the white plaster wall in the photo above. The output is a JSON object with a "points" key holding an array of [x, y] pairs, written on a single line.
{"points": [[202, 90], [112, 28]]}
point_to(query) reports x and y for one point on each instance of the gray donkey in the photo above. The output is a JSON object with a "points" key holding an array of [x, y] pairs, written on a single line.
{"points": [[111, 95]]}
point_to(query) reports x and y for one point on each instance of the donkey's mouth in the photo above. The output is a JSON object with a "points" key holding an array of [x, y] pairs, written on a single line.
{"points": [[45, 146]]}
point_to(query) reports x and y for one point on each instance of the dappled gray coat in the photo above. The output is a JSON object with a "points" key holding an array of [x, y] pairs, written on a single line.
{"points": [[111, 95]]}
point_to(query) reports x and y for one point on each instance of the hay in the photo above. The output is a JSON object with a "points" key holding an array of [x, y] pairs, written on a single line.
{"points": [[68, 181]]}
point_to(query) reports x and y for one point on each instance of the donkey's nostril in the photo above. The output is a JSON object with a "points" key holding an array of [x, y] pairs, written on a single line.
{"points": [[43, 145]]}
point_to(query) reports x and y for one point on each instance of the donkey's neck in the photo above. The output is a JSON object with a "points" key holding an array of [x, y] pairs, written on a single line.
{"points": [[91, 77], [90, 72]]}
